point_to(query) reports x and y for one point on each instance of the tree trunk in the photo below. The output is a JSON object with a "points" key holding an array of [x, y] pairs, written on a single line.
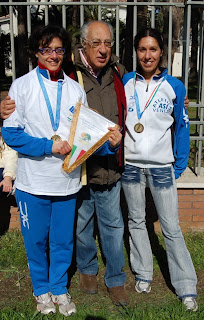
{"points": [[142, 23], [21, 56], [194, 46], [2, 54]]}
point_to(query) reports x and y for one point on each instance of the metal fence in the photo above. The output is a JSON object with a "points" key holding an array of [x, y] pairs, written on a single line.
{"points": [[153, 9]]}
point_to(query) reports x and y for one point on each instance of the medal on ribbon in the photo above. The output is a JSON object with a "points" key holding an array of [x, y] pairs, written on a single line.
{"points": [[56, 137], [139, 127], [55, 123]]}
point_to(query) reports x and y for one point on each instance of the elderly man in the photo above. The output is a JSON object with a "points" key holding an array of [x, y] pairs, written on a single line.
{"points": [[97, 70]]}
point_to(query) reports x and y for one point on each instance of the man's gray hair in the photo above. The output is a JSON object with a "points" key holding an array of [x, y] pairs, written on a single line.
{"points": [[84, 29]]}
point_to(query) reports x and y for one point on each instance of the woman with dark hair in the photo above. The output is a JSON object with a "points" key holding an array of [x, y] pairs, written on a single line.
{"points": [[155, 115], [46, 195]]}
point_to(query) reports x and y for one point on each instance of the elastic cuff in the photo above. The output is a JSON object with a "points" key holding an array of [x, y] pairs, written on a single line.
{"points": [[48, 147], [188, 295], [40, 291], [9, 174], [113, 149], [144, 280], [57, 291]]}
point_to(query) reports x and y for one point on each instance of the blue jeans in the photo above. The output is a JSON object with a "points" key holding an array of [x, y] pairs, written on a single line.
{"points": [[161, 182], [106, 202]]}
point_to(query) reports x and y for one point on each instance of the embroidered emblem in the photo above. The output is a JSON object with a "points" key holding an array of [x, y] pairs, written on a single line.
{"points": [[162, 105], [85, 138], [71, 111], [24, 216], [185, 117]]}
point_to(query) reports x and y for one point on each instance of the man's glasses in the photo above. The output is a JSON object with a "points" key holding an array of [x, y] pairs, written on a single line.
{"points": [[95, 43], [49, 51]]}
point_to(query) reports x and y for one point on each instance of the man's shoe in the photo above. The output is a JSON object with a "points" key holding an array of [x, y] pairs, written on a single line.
{"points": [[119, 296], [45, 304], [190, 303], [88, 283], [142, 286], [66, 306]]}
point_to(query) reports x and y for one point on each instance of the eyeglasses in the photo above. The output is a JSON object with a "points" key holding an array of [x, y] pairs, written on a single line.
{"points": [[49, 51], [95, 43]]}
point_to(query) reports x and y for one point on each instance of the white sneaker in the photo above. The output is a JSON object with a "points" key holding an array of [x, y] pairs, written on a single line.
{"points": [[66, 306], [45, 304], [190, 303], [142, 286]]}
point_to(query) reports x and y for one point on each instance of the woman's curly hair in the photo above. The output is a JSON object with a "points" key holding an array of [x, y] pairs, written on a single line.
{"points": [[43, 35]]}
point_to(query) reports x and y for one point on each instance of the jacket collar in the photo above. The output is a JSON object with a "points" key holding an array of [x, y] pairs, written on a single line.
{"points": [[49, 74], [163, 73]]}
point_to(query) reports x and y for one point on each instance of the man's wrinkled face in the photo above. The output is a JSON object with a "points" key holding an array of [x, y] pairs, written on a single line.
{"points": [[99, 56]]}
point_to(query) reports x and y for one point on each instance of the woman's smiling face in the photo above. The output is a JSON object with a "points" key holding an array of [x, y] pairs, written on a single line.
{"points": [[148, 56], [53, 61]]}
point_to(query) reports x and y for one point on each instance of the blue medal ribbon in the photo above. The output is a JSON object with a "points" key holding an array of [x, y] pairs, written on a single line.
{"points": [[139, 114], [55, 124]]}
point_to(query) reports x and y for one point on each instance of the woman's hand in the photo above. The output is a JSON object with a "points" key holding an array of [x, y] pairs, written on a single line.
{"points": [[115, 137], [61, 147], [7, 106], [186, 102], [7, 184]]}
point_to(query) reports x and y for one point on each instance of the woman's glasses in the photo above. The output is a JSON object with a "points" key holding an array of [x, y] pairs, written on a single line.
{"points": [[49, 51]]}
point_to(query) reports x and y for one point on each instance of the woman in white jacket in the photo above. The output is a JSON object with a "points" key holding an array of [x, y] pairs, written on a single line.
{"points": [[156, 152]]}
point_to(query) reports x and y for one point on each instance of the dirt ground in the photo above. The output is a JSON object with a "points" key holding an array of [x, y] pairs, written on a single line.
{"points": [[20, 289]]}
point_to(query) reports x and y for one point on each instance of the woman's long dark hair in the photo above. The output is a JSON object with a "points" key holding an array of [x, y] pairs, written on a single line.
{"points": [[149, 32]]}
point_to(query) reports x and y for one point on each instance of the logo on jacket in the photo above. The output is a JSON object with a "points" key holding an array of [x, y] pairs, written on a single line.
{"points": [[71, 112], [162, 105], [71, 109], [185, 117], [131, 106]]}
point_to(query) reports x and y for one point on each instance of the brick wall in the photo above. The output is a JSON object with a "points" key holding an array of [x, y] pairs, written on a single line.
{"points": [[191, 211], [15, 219]]}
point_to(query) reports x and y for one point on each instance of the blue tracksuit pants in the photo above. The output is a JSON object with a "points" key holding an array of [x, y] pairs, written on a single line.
{"points": [[47, 219]]}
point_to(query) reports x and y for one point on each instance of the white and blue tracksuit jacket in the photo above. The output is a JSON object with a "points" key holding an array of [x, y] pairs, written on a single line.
{"points": [[165, 139], [28, 130]]}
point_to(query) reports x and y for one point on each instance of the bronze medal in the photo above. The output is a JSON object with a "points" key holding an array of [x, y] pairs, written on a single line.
{"points": [[55, 137], [138, 127]]}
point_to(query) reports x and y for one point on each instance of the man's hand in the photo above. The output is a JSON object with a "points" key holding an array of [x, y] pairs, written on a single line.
{"points": [[61, 147], [186, 102], [7, 107], [115, 137]]}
